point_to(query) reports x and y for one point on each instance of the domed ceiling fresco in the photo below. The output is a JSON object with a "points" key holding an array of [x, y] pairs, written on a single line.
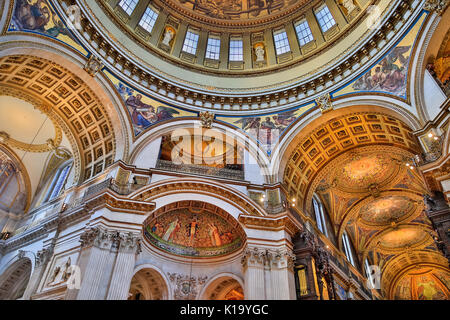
{"points": [[386, 209], [404, 236], [423, 284], [360, 171], [194, 229], [236, 10]]}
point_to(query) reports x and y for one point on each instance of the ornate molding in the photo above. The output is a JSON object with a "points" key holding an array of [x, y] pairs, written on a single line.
{"points": [[324, 103], [107, 239], [272, 258], [437, 6], [206, 119], [186, 287]]}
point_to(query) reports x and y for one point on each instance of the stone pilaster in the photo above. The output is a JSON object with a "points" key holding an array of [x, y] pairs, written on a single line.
{"points": [[253, 261], [129, 248], [42, 258], [268, 274], [282, 275], [97, 246]]}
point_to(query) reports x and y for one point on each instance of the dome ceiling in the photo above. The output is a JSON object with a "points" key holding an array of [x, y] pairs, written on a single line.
{"points": [[384, 210], [234, 13], [403, 236]]}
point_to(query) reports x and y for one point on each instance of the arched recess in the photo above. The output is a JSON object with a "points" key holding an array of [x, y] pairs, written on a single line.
{"points": [[256, 156], [223, 286], [302, 128], [14, 280], [173, 190], [24, 176], [399, 266], [336, 133], [99, 85], [149, 283], [433, 38]]}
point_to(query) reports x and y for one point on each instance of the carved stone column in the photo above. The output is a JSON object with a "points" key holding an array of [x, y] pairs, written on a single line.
{"points": [[97, 249], [253, 261], [282, 275], [42, 258], [129, 248]]}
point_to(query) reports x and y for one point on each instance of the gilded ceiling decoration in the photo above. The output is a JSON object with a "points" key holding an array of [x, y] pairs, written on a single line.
{"points": [[401, 237], [423, 283], [74, 104], [360, 171], [194, 229], [340, 135], [386, 209]]}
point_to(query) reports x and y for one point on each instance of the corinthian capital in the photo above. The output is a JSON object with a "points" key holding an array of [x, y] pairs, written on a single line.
{"points": [[130, 242], [282, 258], [253, 256], [42, 256]]}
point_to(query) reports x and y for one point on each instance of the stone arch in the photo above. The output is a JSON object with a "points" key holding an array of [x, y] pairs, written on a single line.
{"points": [[222, 285], [168, 191], [15, 277], [334, 134], [244, 140], [151, 283], [344, 106], [99, 85]]}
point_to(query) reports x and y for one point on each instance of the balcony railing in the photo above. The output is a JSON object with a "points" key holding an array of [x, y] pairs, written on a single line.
{"points": [[122, 189], [201, 170]]}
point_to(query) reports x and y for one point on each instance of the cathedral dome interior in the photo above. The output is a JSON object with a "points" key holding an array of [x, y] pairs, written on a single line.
{"points": [[224, 150]]}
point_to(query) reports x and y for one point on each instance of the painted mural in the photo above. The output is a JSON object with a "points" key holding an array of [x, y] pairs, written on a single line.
{"points": [[236, 9], [390, 75], [188, 233], [384, 210], [144, 111], [360, 171], [267, 129], [423, 284], [403, 237], [38, 16]]}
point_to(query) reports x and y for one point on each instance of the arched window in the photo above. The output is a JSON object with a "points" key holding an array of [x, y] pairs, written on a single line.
{"points": [[58, 181], [319, 213], [369, 273], [348, 248]]}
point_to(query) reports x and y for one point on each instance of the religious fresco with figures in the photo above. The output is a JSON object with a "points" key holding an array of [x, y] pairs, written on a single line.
{"points": [[423, 284], [237, 9], [144, 111], [194, 232], [390, 74], [38, 16], [267, 129]]}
